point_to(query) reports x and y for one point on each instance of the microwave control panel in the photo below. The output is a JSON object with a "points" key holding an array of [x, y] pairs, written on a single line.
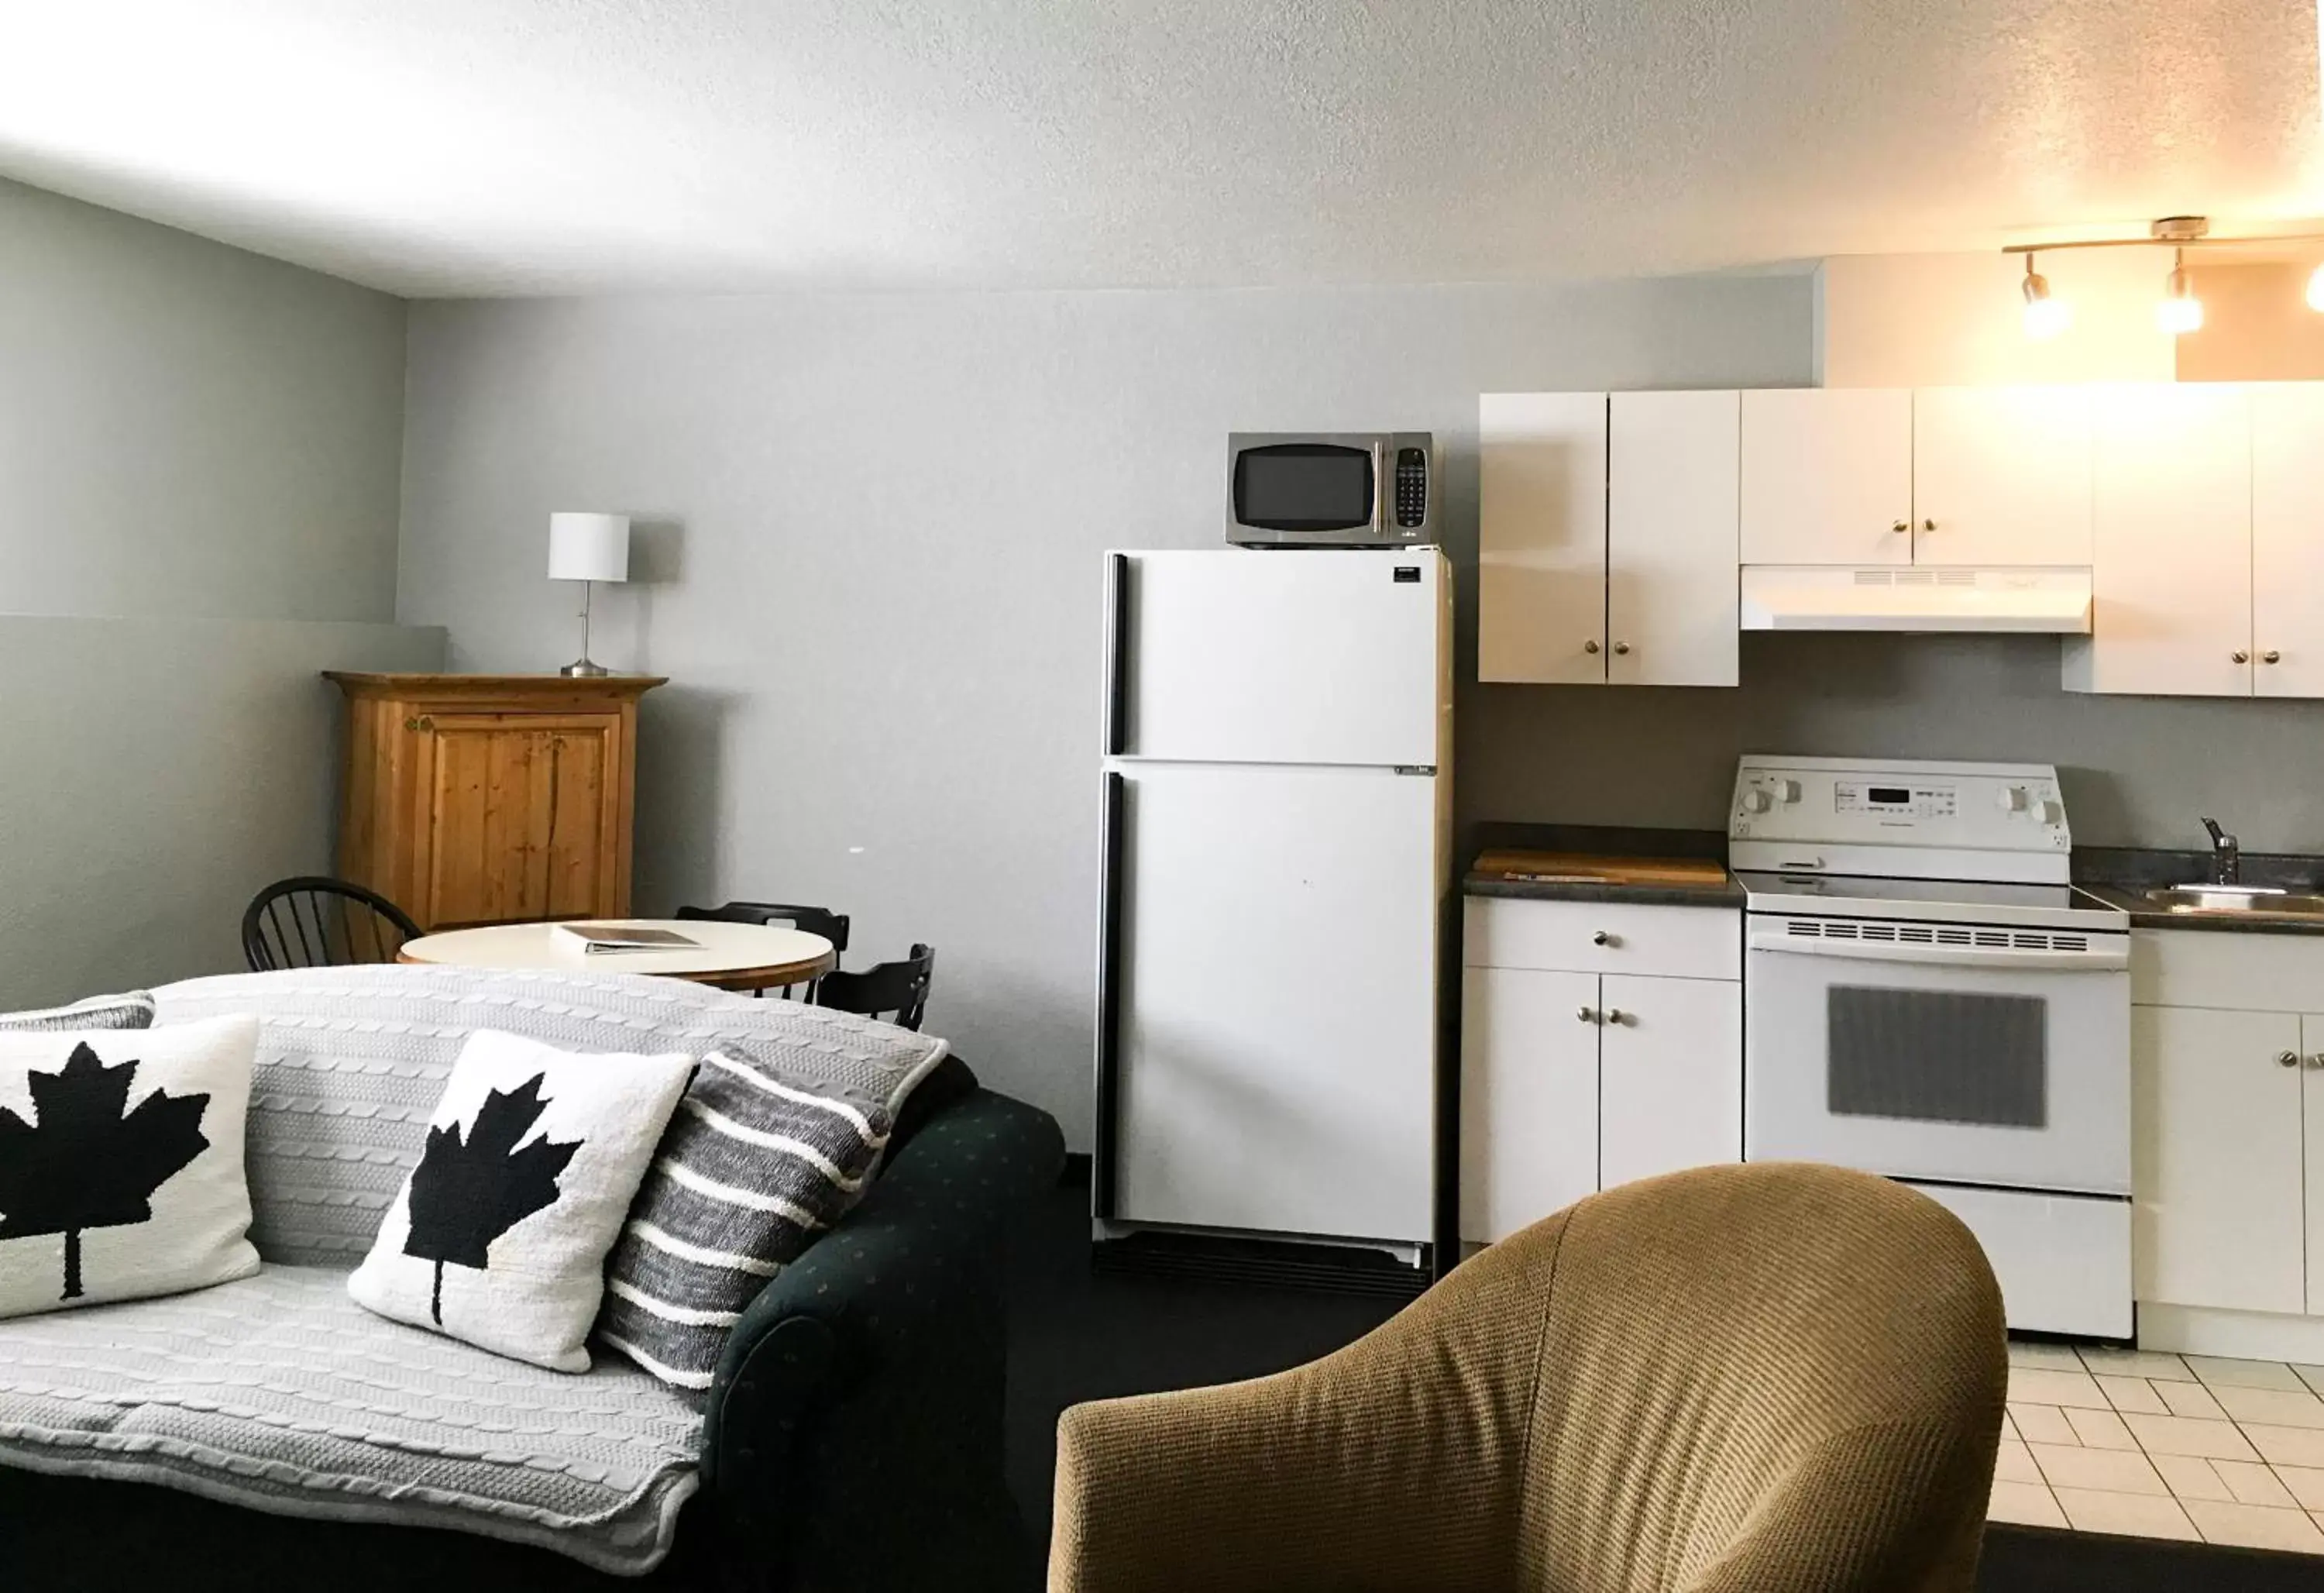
{"points": [[1411, 488], [1962, 807]]}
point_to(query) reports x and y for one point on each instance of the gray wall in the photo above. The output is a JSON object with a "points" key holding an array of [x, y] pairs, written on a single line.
{"points": [[187, 428], [875, 524], [202, 445], [160, 772]]}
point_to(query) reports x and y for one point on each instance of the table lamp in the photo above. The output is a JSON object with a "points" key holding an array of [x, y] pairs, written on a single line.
{"points": [[588, 548]]}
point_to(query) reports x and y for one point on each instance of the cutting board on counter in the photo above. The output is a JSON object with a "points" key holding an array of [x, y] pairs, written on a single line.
{"points": [[1689, 872]]}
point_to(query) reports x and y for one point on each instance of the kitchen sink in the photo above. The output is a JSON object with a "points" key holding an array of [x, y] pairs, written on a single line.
{"points": [[2255, 900]]}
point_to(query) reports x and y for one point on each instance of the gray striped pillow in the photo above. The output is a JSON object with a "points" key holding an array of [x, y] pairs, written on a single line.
{"points": [[750, 1170], [131, 1010]]}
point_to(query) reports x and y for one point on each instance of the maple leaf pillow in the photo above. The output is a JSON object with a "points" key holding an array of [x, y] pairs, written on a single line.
{"points": [[500, 1234], [121, 1171]]}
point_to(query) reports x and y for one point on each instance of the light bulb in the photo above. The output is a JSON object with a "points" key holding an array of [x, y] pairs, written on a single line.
{"points": [[2316, 289], [2180, 311], [2046, 317]]}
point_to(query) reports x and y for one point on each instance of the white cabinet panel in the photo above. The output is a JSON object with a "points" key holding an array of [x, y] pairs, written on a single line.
{"points": [[1670, 1076], [1528, 1096], [1541, 537], [2311, 1031], [1318, 656], [1827, 476], [2170, 566], [2288, 539], [1603, 937], [1670, 539], [2001, 476], [2216, 1159], [1277, 1063]]}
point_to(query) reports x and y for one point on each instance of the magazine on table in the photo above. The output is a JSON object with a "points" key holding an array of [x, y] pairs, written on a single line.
{"points": [[623, 937]]}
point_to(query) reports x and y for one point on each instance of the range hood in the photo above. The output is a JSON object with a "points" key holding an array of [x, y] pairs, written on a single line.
{"points": [[1800, 597]]}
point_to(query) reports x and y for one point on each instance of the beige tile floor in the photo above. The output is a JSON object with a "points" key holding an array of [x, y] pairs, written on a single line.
{"points": [[2163, 1446]]}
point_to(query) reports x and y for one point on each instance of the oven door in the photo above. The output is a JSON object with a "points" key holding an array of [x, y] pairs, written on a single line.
{"points": [[1328, 490], [1940, 1051]]}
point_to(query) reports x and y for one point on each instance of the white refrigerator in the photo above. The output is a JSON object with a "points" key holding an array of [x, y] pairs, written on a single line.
{"points": [[1277, 853]]}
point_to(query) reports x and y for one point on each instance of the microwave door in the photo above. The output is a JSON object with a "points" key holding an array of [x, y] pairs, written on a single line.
{"points": [[1311, 492]]}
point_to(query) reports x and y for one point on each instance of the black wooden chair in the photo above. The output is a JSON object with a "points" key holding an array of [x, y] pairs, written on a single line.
{"points": [[315, 921], [897, 992], [814, 921]]}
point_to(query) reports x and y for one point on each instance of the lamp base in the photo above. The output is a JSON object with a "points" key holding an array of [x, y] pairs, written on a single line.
{"points": [[582, 669]]}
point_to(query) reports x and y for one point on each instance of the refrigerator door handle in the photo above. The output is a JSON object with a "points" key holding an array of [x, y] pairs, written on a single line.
{"points": [[1117, 653], [1110, 880]]}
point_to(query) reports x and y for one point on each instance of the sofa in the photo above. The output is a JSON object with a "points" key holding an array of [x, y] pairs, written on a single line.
{"points": [[270, 1432]]}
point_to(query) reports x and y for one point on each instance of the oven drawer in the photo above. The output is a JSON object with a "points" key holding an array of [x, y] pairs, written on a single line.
{"points": [[1602, 937], [2062, 1261]]}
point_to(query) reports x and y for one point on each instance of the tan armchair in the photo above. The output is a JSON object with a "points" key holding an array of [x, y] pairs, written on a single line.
{"points": [[1778, 1377]]}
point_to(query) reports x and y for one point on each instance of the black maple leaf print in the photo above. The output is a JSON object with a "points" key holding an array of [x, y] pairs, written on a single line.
{"points": [[465, 1196], [89, 1164]]}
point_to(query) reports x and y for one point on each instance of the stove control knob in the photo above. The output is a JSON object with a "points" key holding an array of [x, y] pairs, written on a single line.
{"points": [[1755, 801], [2054, 813], [1787, 791], [2011, 798]]}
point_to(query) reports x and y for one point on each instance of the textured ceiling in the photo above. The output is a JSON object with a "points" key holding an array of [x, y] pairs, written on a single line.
{"points": [[495, 146]]}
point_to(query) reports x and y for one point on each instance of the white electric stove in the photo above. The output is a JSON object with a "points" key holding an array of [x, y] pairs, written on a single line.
{"points": [[1927, 997]]}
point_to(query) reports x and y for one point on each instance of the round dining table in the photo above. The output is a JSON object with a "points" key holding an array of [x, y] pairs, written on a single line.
{"points": [[725, 956]]}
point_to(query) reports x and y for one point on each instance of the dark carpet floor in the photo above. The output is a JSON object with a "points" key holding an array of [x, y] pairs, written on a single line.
{"points": [[1075, 1336]]}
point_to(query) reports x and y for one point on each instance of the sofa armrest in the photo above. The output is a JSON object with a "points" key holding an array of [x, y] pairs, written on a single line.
{"points": [[863, 1389]]}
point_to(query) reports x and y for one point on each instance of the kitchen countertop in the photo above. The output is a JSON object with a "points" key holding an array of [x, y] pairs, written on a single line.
{"points": [[1603, 863], [2120, 876]]}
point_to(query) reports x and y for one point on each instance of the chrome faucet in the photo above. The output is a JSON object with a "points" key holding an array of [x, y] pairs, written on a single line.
{"points": [[2227, 855]]}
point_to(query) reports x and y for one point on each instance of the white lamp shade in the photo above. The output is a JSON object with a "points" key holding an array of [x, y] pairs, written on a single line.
{"points": [[588, 547]]}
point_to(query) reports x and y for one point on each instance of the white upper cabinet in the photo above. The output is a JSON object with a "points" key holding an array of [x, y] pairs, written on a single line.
{"points": [[2172, 546], [2287, 584], [1541, 537], [1827, 476], [2001, 476], [1671, 544]]}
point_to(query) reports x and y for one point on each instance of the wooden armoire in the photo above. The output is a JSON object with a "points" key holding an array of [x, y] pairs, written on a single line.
{"points": [[490, 799]]}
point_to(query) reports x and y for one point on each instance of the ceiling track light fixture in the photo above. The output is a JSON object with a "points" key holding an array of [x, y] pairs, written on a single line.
{"points": [[2045, 316], [2179, 312]]}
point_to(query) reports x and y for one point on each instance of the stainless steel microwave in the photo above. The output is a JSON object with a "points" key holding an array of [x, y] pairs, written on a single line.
{"points": [[1330, 489]]}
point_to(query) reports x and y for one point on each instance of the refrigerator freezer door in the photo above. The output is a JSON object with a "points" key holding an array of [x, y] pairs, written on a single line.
{"points": [[1281, 657], [1273, 1065]]}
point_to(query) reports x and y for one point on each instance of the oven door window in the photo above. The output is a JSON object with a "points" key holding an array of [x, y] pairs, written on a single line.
{"points": [[1937, 1056], [1304, 486]]}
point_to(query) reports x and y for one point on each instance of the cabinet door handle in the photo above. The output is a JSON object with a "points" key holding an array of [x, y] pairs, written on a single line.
{"points": [[1587, 1014], [1928, 525], [1901, 527], [2271, 656], [2240, 656], [1602, 937], [2287, 1059], [1622, 648], [1590, 646], [2317, 1060], [422, 722], [1615, 1015]]}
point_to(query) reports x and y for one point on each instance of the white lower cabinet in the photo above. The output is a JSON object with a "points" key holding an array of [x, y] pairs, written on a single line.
{"points": [[2218, 1159], [1670, 1076], [1577, 1077], [1528, 1096], [2227, 1118]]}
